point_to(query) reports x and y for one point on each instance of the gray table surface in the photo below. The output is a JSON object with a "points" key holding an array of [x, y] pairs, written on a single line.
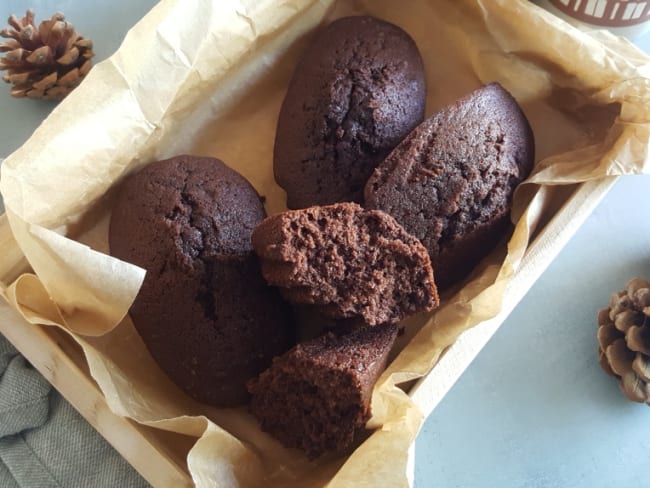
{"points": [[533, 409]]}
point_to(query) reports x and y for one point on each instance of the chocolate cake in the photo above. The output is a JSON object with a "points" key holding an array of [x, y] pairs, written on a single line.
{"points": [[356, 92], [317, 395], [204, 310], [450, 182], [347, 261]]}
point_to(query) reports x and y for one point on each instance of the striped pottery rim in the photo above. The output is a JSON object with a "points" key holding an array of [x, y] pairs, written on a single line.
{"points": [[608, 13]]}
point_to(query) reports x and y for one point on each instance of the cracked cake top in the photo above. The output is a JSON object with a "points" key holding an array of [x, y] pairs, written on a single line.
{"points": [[204, 311]]}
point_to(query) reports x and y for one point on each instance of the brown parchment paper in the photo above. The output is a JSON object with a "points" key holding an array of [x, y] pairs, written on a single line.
{"points": [[208, 77]]}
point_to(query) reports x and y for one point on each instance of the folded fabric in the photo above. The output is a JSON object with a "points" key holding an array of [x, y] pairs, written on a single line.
{"points": [[44, 442]]}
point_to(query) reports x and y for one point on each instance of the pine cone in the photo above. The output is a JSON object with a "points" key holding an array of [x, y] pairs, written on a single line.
{"points": [[44, 62], [624, 339]]}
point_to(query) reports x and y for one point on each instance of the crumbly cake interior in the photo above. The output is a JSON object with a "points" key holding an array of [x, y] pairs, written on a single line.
{"points": [[317, 395], [353, 263]]}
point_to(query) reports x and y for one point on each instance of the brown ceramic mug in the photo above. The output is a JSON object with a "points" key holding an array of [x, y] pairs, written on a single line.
{"points": [[629, 18]]}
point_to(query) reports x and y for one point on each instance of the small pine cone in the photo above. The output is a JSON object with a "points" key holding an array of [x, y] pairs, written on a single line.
{"points": [[624, 339], [47, 61]]}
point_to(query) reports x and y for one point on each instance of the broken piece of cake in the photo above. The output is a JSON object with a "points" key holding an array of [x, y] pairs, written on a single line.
{"points": [[317, 395], [348, 261]]}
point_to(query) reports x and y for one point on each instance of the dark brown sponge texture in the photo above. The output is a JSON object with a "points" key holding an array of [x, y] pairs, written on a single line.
{"points": [[356, 92], [204, 310], [348, 261], [316, 396], [450, 182]]}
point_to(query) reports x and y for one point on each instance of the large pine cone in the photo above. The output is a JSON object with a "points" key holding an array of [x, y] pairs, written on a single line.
{"points": [[624, 339], [47, 61]]}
